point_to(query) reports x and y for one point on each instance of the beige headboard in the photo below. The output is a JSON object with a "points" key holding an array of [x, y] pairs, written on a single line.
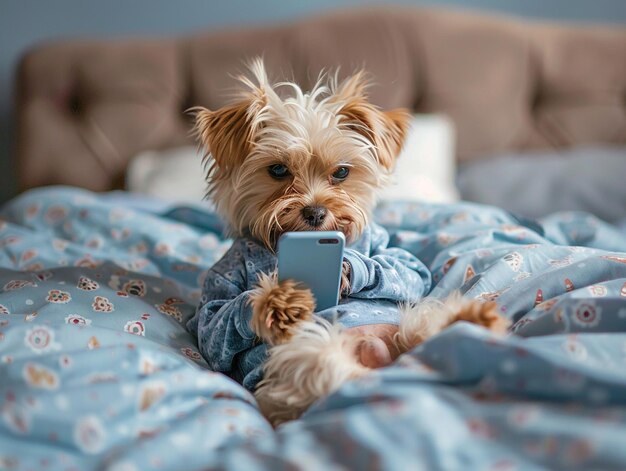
{"points": [[85, 108]]}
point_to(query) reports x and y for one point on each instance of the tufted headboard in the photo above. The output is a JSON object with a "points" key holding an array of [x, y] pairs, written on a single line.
{"points": [[85, 108]]}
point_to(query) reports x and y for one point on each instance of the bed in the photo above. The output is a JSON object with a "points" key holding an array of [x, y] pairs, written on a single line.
{"points": [[97, 370]]}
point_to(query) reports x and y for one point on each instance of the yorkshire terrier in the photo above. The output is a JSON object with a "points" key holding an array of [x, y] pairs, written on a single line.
{"points": [[279, 160]]}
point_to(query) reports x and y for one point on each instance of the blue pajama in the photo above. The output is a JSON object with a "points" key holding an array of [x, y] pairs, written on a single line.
{"points": [[381, 277]]}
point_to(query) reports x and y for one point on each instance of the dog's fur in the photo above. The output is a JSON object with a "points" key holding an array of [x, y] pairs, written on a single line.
{"points": [[313, 135]]}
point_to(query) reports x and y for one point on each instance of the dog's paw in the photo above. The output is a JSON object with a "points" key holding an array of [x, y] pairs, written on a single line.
{"points": [[318, 360], [278, 307], [482, 313], [345, 279]]}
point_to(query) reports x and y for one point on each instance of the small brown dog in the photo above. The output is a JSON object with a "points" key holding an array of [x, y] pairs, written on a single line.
{"points": [[312, 161]]}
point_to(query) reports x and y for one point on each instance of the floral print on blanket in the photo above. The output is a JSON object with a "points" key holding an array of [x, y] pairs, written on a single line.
{"points": [[124, 387]]}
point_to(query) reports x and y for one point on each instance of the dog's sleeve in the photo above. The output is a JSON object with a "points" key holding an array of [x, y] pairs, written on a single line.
{"points": [[221, 322], [386, 273]]}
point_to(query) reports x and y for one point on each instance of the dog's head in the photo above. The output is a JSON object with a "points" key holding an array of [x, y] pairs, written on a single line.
{"points": [[298, 161]]}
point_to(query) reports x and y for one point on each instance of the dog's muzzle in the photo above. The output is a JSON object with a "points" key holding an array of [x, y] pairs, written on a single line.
{"points": [[314, 215]]}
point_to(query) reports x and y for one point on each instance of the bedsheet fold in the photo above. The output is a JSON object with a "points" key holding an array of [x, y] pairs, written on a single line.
{"points": [[98, 372]]}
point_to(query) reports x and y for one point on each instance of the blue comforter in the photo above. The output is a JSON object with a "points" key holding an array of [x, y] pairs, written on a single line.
{"points": [[98, 372]]}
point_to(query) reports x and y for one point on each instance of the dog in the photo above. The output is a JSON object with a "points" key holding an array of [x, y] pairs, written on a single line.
{"points": [[281, 159]]}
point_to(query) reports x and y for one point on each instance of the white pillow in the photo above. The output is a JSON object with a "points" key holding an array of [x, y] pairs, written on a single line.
{"points": [[425, 170], [175, 175]]}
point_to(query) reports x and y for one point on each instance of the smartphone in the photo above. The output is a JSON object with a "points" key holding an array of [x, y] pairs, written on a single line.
{"points": [[315, 259]]}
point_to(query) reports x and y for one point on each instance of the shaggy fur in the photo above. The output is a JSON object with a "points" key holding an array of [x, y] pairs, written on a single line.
{"points": [[321, 357], [421, 321], [312, 134], [277, 307], [313, 137]]}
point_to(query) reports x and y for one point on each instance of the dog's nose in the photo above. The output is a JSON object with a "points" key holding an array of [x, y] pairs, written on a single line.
{"points": [[314, 215]]}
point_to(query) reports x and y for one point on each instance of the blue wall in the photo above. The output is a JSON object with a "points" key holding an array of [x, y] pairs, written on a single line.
{"points": [[24, 23]]}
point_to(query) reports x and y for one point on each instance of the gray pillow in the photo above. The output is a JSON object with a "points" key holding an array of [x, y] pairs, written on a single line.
{"points": [[535, 184]]}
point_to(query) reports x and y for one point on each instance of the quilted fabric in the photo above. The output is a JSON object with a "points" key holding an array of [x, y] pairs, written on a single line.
{"points": [[98, 373]]}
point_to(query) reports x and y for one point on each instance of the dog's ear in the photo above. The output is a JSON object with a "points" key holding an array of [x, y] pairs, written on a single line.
{"points": [[386, 130], [390, 139], [226, 133]]}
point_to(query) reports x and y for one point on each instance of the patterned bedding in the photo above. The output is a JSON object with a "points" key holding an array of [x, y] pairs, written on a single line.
{"points": [[98, 372]]}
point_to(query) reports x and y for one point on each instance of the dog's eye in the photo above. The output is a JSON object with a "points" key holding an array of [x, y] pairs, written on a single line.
{"points": [[340, 174], [278, 171]]}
